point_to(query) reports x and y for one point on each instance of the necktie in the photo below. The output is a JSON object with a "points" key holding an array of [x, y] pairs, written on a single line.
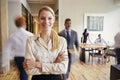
{"points": [[68, 36]]}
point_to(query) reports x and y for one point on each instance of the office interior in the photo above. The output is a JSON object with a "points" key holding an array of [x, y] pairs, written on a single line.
{"points": [[78, 11]]}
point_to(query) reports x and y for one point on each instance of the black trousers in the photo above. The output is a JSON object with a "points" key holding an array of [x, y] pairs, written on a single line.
{"points": [[19, 63], [117, 51], [47, 77]]}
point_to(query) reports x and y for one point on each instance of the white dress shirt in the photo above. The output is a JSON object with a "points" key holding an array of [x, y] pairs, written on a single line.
{"points": [[39, 51], [117, 40], [100, 41], [69, 32], [15, 45]]}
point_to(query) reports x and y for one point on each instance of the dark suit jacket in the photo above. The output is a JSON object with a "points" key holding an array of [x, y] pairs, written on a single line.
{"points": [[73, 39]]}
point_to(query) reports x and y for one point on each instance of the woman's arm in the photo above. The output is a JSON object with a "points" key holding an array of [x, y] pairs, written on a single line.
{"points": [[61, 57], [29, 63]]}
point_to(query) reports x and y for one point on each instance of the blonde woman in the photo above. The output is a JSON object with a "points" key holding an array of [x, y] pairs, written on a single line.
{"points": [[46, 52]]}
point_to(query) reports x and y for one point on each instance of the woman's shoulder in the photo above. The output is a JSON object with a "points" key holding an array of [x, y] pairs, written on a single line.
{"points": [[61, 38], [33, 38]]}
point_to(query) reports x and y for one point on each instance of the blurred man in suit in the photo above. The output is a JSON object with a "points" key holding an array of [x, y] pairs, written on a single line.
{"points": [[72, 39]]}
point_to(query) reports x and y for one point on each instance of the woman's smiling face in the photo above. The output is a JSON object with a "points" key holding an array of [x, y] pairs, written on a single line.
{"points": [[46, 20]]}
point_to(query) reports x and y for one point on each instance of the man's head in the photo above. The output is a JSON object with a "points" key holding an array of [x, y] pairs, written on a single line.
{"points": [[99, 36], [20, 22], [67, 23]]}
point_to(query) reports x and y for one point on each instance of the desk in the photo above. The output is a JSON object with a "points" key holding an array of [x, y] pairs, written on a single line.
{"points": [[90, 46], [93, 46]]}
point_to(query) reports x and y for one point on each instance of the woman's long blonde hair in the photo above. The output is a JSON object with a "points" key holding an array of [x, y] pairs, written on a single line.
{"points": [[55, 40]]}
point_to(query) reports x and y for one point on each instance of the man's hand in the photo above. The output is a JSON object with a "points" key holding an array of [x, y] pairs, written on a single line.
{"points": [[4, 69]]}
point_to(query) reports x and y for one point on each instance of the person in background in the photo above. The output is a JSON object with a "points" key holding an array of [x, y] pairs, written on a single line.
{"points": [[100, 40], [85, 36], [16, 45], [46, 53], [72, 39], [117, 46]]}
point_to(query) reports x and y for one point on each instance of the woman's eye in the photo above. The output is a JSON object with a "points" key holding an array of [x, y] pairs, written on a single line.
{"points": [[49, 18], [42, 18]]}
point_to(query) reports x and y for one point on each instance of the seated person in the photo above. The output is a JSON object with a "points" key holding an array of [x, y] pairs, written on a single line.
{"points": [[107, 51], [100, 40]]}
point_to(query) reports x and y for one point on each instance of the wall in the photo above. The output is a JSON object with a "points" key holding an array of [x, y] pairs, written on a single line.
{"points": [[14, 9], [75, 9], [117, 2], [24, 2], [112, 24]]}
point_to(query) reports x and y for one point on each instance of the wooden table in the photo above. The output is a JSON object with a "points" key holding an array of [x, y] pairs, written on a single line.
{"points": [[94, 46], [83, 46]]}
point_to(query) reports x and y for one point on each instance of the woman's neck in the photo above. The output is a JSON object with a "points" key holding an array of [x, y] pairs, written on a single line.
{"points": [[45, 36]]}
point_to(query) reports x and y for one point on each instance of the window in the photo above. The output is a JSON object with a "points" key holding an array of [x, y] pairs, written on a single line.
{"points": [[94, 22], [29, 19]]}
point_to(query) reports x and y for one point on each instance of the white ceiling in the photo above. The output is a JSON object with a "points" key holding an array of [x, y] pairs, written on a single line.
{"points": [[36, 4], [42, 1]]}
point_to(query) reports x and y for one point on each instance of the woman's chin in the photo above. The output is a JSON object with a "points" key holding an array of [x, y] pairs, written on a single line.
{"points": [[47, 29]]}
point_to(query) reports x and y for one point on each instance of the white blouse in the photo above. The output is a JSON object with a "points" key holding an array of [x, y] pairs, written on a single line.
{"points": [[37, 50]]}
